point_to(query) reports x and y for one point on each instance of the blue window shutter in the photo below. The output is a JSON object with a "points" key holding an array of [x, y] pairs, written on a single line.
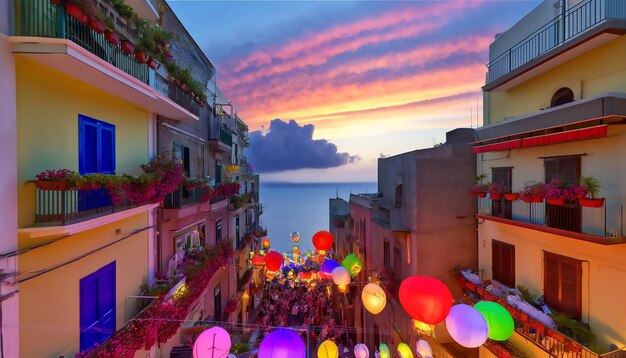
{"points": [[107, 150], [106, 300], [97, 306]]}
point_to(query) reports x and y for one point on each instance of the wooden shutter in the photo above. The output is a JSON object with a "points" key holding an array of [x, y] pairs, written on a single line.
{"points": [[503, 262], [563, 284]]}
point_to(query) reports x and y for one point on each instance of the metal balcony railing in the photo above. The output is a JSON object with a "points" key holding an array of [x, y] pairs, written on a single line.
{"points": [[575, 21], [176, 94], [183, 197], [605, 222], [64, 207], [42, 18]]}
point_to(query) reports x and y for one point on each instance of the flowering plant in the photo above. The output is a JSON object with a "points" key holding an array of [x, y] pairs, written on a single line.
{"points": [[53, 175], [534, 193], [231, 306]]}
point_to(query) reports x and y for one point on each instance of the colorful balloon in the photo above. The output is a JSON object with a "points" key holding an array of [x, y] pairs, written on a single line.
{"points": [[423, 349], [327, 268], [353, 264], [323, 240], [341, 278], [328, 349], [404, 351], [212, 343], [467, 326], [425, 299], [258, 261], [273, 260], [265, 243], [499, 320], [361, 351], [384, 351], [282, 343], [295, 236], [374, 298]]}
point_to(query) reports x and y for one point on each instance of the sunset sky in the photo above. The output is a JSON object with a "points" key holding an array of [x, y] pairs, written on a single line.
{"points": [[373, 78]]}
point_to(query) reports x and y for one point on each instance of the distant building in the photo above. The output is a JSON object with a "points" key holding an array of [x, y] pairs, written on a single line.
{"points": [[419, 223], [554, 107]]}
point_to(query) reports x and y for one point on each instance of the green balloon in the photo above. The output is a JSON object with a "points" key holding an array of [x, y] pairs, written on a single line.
{"points": [[383, 350], [498, 319], [353, 264]]}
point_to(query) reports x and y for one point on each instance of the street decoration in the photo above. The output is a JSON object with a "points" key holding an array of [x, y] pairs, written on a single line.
{"points": [[383, 351], [273, 260], [425, 299], [282, 343], [404, 351], [499, 320], [212, 343], [374, 298], [361, 351], [423, 349], [341, 278], [353, 264], [467, 326], [323, 241], [328, 349]]}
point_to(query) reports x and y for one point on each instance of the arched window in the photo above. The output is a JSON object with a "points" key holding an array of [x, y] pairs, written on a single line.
{"points": [[562, 96], [399, 196]]}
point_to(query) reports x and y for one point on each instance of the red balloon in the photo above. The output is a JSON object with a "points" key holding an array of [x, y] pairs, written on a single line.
{"points": [[323, 240], [273, 260], [258, 261], [425, 299]]}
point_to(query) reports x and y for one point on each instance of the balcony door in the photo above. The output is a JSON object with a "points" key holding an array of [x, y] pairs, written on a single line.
{"points": [[568, 216], [97, 306], [217, 303], [502, 208]]}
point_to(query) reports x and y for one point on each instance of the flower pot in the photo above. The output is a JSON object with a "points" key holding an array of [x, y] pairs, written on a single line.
{"points": [[112, 37], [153, 64], [76, 12], [591, 203], [127, 47], [89, 186], [96, 25], [511, 196], [479, 194], [556, 201], [141, 56], [52, 185], [495, 196]]}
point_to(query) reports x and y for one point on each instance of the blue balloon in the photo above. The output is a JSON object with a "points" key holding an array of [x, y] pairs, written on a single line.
{"points": [[329, 265], [282, 343]]}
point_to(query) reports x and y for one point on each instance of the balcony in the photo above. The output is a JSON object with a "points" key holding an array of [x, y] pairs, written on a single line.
{"points": [[183, 197], [41, 18], [583, 22], [176, 94], [602, 225], [65, 207], [220, 138]]}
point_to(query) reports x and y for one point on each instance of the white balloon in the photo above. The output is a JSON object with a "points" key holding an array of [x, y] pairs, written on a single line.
{"points": [[423, 349], [467, 326], [360, 350]]}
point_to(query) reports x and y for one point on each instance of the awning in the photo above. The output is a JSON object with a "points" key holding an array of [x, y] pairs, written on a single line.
{"points": [[567, 136], [496, 147], [546, 139]]}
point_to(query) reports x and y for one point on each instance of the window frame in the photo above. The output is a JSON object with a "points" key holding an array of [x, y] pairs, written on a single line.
{"points": [[101, 126], [558, 301]]}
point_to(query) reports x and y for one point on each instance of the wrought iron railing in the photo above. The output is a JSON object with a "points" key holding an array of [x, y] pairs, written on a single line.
{"points": [[183, 197], [44, 19], [559, 30], [176, 94], [226, 137], [605, 222], [64, 207]]}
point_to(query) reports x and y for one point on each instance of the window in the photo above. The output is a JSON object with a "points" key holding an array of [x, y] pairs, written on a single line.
{"points": [[502, 208], [218, 171], [217, 303], [562, 96], [386, 253], [562, 283], [218, 231], [237, 231], [182, 153], [503, 262], [97, 306], [96, 146], [568, 216]]}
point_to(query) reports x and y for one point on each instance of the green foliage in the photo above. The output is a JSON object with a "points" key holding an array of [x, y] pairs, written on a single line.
{"points": [[592, 184], [124, 10], [577, 331], [242, 346], [526, 294]]}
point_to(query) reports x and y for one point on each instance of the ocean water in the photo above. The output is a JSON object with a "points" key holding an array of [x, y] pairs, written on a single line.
{"points": [[301, 207]]}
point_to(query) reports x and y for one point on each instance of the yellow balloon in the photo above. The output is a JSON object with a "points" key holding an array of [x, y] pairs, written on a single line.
{"points": [[404, 350], [374, 298], [328, 349]]}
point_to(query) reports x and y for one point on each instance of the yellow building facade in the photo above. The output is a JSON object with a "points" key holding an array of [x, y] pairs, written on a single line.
{"points": [[555, 109]]}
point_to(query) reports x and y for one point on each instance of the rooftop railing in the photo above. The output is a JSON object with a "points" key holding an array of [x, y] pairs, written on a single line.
{"points": [[575, 21]]}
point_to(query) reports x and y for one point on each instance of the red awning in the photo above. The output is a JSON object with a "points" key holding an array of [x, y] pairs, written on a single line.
{"points": [[567, 136], [495, 147]]}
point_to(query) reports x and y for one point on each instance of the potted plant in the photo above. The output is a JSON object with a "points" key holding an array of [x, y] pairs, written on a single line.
{"points": [[96, 23], [153, 63], [591, 185], [78, 9], [556, 192], [140, 55], [534, 193], [495, 190], [127, 47], [511, 196], [109, 34], [480, 189], [60, 179]]}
